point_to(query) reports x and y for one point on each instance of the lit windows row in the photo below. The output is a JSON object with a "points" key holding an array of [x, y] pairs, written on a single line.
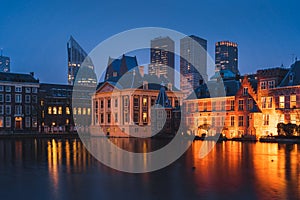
{"points": [[58, 110], [267, 84], [81, 111], [293, 101], [18, 98], [18, 89]]}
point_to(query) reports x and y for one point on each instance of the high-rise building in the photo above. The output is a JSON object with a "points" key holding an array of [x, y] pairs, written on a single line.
{"points": [[76, 57], [4, 64], [226, 56], [162, 58], [193, 62]]}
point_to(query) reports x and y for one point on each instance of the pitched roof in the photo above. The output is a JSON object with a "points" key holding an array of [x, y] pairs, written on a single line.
{"points": [[162, 98], [16, 77], [292, 78], [121, 66]]}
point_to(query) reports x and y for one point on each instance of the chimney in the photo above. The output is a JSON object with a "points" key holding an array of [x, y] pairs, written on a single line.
{"points": [[141, 70]]}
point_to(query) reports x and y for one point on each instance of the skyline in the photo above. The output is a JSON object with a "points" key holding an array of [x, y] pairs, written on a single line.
{"points": [[33, 33]]}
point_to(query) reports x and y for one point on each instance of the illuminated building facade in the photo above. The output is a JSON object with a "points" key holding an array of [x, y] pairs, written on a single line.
{"points": [[193, 63], [253, 105], [4, 64], [18, 102], [162, 58], [125, 106], [226, 56]]}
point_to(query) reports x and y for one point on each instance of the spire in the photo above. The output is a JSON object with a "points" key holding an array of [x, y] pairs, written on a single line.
{"points": [[162, 98]]}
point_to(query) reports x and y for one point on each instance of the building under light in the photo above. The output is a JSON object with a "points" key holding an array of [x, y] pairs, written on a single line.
{"points": [[226, 56]]}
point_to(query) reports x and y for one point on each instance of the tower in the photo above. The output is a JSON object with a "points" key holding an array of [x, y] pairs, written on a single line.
{"points": [[226, 56]]}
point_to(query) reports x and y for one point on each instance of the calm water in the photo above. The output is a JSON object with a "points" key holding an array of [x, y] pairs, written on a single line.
{"points": [[63, 169]]}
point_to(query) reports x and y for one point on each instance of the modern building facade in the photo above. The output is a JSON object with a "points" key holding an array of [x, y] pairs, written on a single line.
{"points": [[4, 64], [226, 56], [162, 58], [77, 58], [193, 63], [18, 102]]}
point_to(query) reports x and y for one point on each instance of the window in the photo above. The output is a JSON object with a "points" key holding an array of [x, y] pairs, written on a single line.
{"points": [[249, 104], [281, 102], [241, 120], [1, 120], [263, 102], [27, 99], [223, 105], [116, 103], [271, 84], [1, 109], [34, 99], [1, 98], [232, 120], [68, 110], [54, 110], [34, 122], [18, 110], [18, 89], [136, 102], [27, 90], [231, 104], [293, 102], [75, 111], [7, 89], [79, 111], [27, 122], [7, 122], [214, 105], [49, 110], [145, 119], [263, 85], [126, 118], [241, 104], [101, 118], [144, 101], [88, 111], [293, 118], [204, 106], [269, 102], [108, 103], [8, 110], [27, 110], [18, 98], [7, 98], [108, 118], [59, 110], [34, 90], [33, 110], [266, 119], [116, 117], [1, 88], [84, 111], [245, 91], [136, 117], [101, 104]]}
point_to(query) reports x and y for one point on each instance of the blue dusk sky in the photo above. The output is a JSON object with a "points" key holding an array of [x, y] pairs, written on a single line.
{"points": [[34, 33]]}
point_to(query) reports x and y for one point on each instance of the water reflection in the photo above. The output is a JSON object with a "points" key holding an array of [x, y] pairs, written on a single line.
{"points": [[64, 169]]}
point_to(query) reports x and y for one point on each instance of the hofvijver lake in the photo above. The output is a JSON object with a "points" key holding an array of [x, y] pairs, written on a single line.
{"points": [[64, 169]]}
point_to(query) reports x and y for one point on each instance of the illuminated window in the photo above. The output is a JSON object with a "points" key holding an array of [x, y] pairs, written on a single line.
{"points": [[68, 110], [1, 122], [88, 111], [67, 121], [293, 103], [293, 118], [42, 103], [49, 110], [54, 110], [269, 102], [144, 101], [75, 111], [249, 104], [84, 111], [231, 104], [79, 111], [266, 119], [271, 84], [145, 119], [232, 120], [263, 102], [245, 91], [281, 102], [59, 110]]}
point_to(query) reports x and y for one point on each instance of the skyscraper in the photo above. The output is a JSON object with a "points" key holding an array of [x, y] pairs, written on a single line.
{"points": [[76, 57], [162, 58], [226, 56], [193, 63], [4, 64]]}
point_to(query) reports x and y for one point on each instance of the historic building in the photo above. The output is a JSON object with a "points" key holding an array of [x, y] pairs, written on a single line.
{"points": [[253, 105], [18, 102], [122, 107]]}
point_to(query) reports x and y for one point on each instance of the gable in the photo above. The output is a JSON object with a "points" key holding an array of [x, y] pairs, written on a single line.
{"points": [[106, 88]]}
